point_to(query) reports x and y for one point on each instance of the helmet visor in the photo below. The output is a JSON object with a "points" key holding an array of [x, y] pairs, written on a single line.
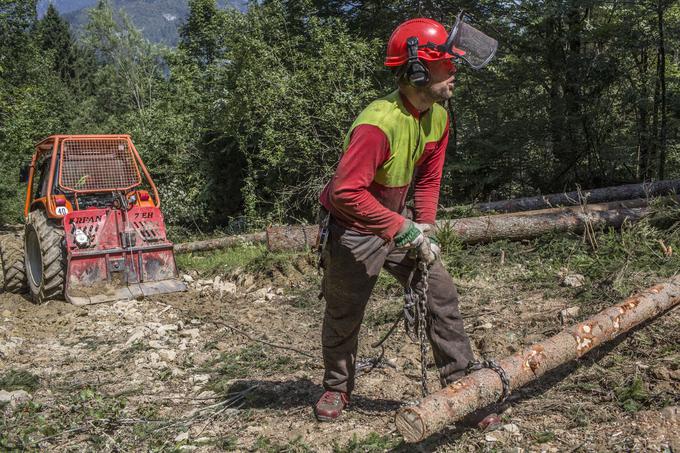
{"points": [[477, 48]]}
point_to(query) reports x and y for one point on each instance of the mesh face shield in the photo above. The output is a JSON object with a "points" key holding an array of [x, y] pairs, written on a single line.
{"points": [[470, 44]]}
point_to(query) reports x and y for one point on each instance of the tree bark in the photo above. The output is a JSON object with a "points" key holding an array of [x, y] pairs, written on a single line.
{"points": [[484, 387], [471, 230], [531, 224], [661, 74], [219, 243], [605, 194]]}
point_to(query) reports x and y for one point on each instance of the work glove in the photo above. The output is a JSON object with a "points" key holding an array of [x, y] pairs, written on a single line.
{"points": [[413, 237], [428, 251]]}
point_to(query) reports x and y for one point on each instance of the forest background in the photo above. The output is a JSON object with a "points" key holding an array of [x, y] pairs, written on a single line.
{"points": [[242, 123]]}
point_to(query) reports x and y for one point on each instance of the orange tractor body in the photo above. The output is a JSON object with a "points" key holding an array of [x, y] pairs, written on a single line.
{"points": [[94, 229]]}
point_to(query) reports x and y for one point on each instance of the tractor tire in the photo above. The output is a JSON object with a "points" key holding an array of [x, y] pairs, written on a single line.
{"points": [[12, 264], [45, 255]]}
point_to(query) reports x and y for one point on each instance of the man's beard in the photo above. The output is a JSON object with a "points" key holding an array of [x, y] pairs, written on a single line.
{"points": [[440, 95]]}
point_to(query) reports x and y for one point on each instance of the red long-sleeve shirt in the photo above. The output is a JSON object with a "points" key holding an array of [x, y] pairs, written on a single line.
{"points": [[357, 202]]}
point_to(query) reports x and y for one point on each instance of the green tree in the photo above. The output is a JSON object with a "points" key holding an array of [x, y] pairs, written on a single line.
{"points": [[201, 35], [289, 97], [53, 34]]}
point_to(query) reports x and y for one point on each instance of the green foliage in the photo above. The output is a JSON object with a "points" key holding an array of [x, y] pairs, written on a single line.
{"points": [[19, 380], [201, 34], [243, 123], [296, 445], [159, 20], [449, 241], [543, 437], [290, 94], [374, 442], [632, 396], [221, 261], [242, 363]]}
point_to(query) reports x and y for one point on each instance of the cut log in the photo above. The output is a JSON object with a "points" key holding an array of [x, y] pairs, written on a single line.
{"points": [[625, 192], [523, 225], [531, 224], [220, 243], [484, 387], [520, 225]]}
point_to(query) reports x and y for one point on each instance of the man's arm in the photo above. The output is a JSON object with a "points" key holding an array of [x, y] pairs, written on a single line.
{"points": [[349, 194], [428, 181]]}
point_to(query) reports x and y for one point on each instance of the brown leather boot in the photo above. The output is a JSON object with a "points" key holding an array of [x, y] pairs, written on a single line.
{"points": [[330, 405]]}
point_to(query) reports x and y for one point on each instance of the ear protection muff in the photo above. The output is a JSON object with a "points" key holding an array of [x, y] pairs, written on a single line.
{"points": [[416, 72]]}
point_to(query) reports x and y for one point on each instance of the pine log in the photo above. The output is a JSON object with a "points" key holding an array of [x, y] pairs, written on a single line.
{"points": [[531, 224], [523, 225], [484, 387], [625, 192], [220, 243]]}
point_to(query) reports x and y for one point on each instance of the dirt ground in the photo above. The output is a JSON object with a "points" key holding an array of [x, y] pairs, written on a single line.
{"points": [[234, 364]]}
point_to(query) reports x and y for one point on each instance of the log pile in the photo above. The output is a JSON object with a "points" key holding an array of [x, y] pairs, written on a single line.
{"points": [[524, 225], [470, 230], [484, 387]]}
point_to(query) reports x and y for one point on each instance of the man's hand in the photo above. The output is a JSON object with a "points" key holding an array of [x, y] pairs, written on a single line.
{"points": [[412, 236], [429, 251]]}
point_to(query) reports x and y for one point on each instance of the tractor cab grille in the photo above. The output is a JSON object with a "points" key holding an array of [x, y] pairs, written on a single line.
{"points": [[98, 165]]}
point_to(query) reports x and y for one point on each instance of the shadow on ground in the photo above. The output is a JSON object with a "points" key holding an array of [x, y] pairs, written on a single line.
{"points": [[293, 394]]}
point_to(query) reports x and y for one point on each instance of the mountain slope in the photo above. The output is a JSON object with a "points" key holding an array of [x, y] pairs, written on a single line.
{"points": [[64, 6], [159, 20]]}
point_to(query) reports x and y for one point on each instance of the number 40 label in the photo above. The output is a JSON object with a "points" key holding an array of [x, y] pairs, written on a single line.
{"points": [[62, 210]]}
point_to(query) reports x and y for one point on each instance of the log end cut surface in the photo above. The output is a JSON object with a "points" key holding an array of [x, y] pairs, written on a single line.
{"points": [[410, 425]]}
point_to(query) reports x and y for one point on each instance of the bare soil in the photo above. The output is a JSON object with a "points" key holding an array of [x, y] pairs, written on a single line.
{"points": [[241, 370]]}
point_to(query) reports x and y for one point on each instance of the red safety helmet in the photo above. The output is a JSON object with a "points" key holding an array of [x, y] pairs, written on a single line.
{"points": [[431, 35]]}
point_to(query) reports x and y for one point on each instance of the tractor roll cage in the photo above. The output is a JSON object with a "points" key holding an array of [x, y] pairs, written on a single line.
{"points": [[97, 165], [89, 164]]}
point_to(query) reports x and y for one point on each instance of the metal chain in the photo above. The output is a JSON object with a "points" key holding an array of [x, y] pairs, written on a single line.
{"points": [[476, 365], [422, 323], [415, 316]]}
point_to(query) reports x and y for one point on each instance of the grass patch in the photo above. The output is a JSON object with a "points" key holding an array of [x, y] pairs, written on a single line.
{"points": [[267, 445], [374, 442], [19, 380], [85, 410], [633, 396], [621, 262], [242, 364], [221, 260], [286, 263], [543, 437], [462, 211]]}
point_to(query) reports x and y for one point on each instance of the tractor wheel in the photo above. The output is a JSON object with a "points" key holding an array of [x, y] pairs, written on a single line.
{"points": [[45, 258], [12, 264]]}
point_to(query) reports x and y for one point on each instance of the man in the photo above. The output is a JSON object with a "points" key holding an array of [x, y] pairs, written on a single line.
{"points": [[396, 141]]}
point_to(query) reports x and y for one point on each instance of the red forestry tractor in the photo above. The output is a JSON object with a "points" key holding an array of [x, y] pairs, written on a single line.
{"points": [[94, 231]]}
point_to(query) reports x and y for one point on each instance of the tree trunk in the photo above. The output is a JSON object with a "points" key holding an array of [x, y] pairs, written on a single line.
{"points": [[661, 73], [605, 194], [484, 387], [644, 142], [521, 225]]}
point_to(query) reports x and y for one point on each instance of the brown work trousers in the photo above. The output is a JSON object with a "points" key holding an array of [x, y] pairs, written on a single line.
{"points": [[352, 262]]}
